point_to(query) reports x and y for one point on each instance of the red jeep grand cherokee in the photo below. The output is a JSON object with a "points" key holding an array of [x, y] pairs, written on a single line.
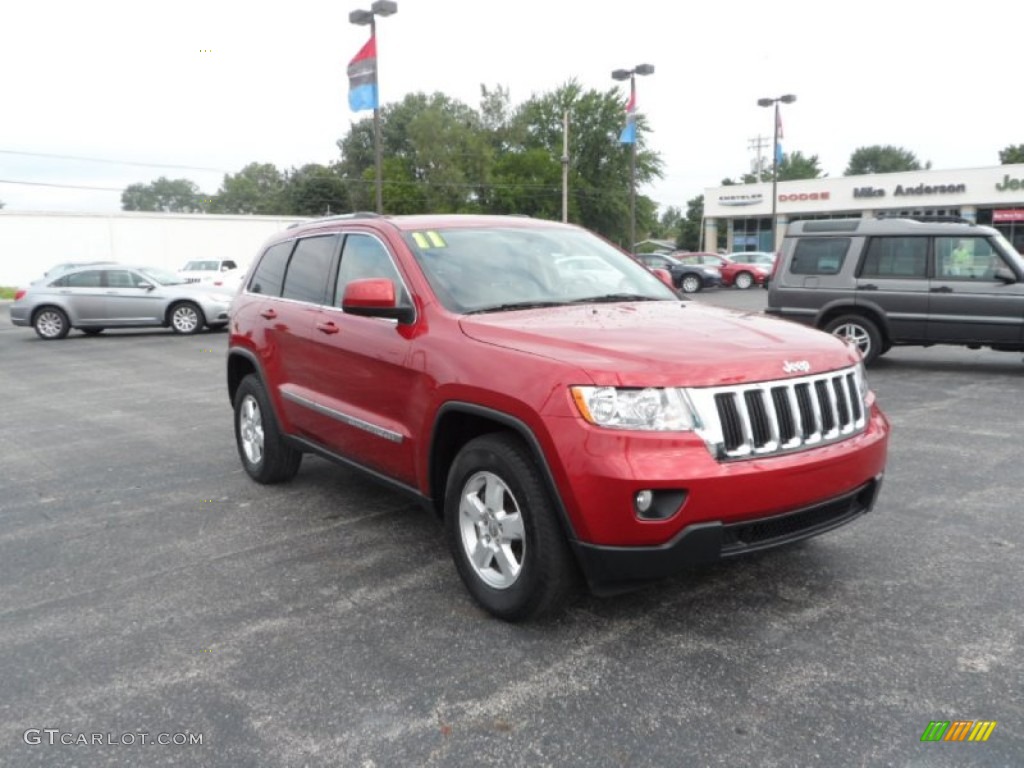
{"points": [[560, 408]]}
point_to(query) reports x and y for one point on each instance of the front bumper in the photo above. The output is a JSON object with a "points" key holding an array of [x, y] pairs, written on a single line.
{"points": [[613, 569]]}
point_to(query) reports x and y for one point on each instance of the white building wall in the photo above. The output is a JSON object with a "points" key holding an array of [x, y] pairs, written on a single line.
{"points": [[30, 243]]}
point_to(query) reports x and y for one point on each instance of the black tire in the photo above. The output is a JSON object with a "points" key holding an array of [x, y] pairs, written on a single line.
{"points": [[51, 323], [861, 331], [539, 574], [92, 331], [186, 318], [265, 455], [691, 283], [217, 326], [743, 280]]}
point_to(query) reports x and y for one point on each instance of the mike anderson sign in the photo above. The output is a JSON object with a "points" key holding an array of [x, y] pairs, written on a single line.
{"points": [[920, 189]]}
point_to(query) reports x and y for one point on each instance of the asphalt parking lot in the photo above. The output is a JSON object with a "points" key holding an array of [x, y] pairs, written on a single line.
{"points": [[150, 587]]}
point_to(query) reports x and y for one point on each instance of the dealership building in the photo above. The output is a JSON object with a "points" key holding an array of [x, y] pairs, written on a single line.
{"points": [[991, 196]]}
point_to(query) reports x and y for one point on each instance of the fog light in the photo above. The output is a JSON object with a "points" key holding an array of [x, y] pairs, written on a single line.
{"points": [[643, 501]]}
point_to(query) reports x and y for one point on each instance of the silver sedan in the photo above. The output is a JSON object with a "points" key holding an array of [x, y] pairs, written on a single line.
{"points": [[93, 298]]}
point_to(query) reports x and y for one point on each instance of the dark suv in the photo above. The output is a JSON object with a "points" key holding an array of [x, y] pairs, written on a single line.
{"points": [[885, 282], [552, 400]]}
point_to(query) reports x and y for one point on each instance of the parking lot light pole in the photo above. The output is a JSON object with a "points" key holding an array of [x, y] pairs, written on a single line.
{"points": [[789, 98], [362, 18], [630, 74]]}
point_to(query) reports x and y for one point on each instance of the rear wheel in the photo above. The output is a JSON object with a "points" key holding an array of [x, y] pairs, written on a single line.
{"points": [[51, 323], [265, 455], [503, 531], [690, 284], [187, 318], [743, 280], [860, 331]]}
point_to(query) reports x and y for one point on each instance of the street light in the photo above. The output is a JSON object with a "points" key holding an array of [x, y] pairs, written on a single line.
{"points": [[362, 18], [630, 74], [789, 98]]}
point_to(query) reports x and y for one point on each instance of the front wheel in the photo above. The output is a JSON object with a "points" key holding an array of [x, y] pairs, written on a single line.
{"points": [[744, 280], [690, 284], [860, 331], [503, 531], [187, 318], [265, 455]]}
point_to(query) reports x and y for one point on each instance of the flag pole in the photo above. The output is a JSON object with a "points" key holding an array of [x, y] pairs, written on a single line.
{"points": [[376, 122]]}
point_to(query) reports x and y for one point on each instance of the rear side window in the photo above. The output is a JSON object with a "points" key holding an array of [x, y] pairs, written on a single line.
{"points": [[896, 257], [269, 275], [310, 269], [89, 279], [819, 255]]}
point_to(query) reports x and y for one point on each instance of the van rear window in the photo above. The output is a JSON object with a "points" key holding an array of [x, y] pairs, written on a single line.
{"points": [[819, 255]]}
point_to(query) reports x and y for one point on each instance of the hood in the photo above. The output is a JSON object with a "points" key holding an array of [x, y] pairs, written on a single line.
{"points": [[664, 343]]}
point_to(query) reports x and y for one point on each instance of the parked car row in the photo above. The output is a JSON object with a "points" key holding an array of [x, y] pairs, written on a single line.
{"points": [[695, 271]]}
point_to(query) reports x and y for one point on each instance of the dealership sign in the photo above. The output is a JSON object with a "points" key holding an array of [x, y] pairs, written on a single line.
{"points": [[920, 189], [752, 199], [1010, 184], [1007, 215]]}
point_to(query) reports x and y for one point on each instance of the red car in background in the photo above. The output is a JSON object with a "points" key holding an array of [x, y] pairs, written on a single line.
{"points": [[745, 269]]}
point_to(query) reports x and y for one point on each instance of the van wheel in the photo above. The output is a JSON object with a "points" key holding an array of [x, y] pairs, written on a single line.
{"points": [[503, 531], [859, 331], [743, 280]]}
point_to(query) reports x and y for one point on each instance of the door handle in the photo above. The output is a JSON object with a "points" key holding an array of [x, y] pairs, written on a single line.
{"points": [[941, 289], [867, 287], [268, 313], [327, 327]]}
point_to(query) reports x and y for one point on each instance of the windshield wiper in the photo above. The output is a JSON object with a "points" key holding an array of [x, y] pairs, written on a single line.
{"points": [[613, 297], [516, 305]]}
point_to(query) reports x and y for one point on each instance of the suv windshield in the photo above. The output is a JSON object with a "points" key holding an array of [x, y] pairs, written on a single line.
{"points": [[493, 269]]}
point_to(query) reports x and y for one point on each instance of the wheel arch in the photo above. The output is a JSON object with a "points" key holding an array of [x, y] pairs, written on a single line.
{"points": [[241, 362], [456, 424], [836, 309]]}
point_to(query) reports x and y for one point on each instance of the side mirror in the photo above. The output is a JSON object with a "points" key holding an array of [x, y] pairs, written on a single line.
{"points": [[374, 297], [664, 275]]}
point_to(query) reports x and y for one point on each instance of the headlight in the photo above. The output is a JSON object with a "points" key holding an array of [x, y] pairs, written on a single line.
{"points": [[662, 410]]}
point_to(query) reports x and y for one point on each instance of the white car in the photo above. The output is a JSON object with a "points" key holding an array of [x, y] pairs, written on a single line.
{"points": [[221, 273]]}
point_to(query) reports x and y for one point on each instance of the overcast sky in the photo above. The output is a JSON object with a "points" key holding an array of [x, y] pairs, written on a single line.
{"points": [[218, 84]]}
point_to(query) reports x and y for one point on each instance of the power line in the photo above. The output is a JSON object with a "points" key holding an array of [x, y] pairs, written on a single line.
{"points": [[60, 186], [113, 162]]}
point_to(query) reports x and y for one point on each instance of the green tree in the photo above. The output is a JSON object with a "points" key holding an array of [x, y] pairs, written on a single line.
{"points": [[1012, 154], [689, 227], [315, 190], [259, 188], [599, 181], [668, 227], [169, 195], [882, 159]]}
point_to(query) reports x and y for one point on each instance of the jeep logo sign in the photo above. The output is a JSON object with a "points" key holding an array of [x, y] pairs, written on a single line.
{"points": [[796, 366]]}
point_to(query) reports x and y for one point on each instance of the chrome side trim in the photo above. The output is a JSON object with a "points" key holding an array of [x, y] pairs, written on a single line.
{"points": [[344, 418]]}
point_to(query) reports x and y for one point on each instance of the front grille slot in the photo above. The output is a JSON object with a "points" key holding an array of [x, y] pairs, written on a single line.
{"points": [[775, 417]]}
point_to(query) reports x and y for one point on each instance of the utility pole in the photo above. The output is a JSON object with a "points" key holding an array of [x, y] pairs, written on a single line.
{"points": [[756, 145], [565, 166]]}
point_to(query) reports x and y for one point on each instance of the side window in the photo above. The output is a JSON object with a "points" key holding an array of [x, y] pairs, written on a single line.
{"points": [[228, 265], [896, 257], [309, 270], [362, 257], [269, 275], [89, 279], [119, 278], [819, 255], [965, 258]]}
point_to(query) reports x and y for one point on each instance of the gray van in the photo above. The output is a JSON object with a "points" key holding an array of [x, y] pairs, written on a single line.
{"points": [[883, 282]]}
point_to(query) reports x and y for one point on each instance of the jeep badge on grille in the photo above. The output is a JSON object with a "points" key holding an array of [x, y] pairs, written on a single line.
{"points": [[796, 366]]}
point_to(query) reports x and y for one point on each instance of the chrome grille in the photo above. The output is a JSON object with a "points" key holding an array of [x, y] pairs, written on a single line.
{"points": [[773, 417]]}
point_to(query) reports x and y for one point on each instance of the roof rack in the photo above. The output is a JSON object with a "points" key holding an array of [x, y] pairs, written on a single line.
{"points": [[339, 217], [926, 218]]}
